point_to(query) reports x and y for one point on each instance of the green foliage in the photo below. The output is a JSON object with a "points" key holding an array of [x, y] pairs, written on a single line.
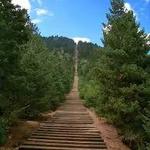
{"points": [[146, 121], [124, 76], [87, 50], [3, 134], [34, 76], [89, 92], [121, 72], [89, 89], [42, 79], [15, 29], [62, 44]]}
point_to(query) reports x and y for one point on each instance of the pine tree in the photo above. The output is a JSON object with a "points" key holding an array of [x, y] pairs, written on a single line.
{"points": [[121, 74], [33, 77], [15, 29], [147, 127]]}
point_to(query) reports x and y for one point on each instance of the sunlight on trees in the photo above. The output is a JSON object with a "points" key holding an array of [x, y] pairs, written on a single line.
{"points": [[34, 76], [118, 79]]}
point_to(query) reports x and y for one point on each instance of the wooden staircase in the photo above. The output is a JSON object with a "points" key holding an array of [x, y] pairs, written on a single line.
{"points": [[71, 128]]}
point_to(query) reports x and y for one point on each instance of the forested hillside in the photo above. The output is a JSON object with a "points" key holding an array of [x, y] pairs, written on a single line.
{"points": [[34, 76], [87, 50], [62, 44], [116, 82]]}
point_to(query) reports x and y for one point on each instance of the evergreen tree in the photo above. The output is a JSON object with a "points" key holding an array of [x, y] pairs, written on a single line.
{"points": [[33, 78], [61, 44], [121, 75], [45, 78], [87, 50], [15, 30], [146, 117], [88, 54]]}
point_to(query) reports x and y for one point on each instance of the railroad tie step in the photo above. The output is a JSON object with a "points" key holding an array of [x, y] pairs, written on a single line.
{"points": [[71, 128]]}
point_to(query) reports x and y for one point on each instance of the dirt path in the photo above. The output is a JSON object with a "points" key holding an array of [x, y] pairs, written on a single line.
{"points": [[109, 133], [74, 127], [71, 127]]}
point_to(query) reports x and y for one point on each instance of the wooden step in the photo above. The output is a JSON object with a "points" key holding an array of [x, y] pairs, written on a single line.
{"points": [[70, 128], [85, 138], [29, 147]]}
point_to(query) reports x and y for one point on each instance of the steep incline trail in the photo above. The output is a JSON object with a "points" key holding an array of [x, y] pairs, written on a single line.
{"points": [[71, 128]]}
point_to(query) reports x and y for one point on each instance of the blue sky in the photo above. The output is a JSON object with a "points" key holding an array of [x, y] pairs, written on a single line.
{"points": [[79, 18]]}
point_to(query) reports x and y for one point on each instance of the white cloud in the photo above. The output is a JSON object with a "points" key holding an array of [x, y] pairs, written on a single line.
{"points": [[148, 37], [38, 1], [23, 3], [148, 43], [83, 39], [107, 28], [128, 7], [36, 21], [41, 12]]}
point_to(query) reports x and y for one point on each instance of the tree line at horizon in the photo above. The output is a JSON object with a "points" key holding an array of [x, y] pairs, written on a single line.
{"points": [[115, 79], [34, 74]]}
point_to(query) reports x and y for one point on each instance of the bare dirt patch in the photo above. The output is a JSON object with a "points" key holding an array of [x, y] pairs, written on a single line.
{"points": [[19, 132], [109, 133], [23, 129]]}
